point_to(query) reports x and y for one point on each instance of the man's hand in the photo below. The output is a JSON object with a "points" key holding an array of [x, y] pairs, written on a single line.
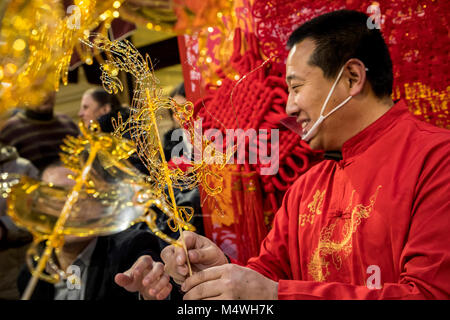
{"points": [[229, 282], [203, 254], [147, 277]]}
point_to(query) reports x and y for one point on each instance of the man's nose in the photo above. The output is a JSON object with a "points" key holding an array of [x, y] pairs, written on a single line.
{"points": [[291, 107]]}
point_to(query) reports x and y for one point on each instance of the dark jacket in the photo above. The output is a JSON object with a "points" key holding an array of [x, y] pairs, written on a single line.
{"points": [[183, 198], [112, 254], [169, 144]]}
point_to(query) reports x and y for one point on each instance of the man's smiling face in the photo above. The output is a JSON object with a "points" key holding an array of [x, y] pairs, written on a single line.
{"points": [[308, 89]]}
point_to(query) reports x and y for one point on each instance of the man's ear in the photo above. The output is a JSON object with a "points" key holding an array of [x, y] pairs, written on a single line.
{"points": [[355, 74]]}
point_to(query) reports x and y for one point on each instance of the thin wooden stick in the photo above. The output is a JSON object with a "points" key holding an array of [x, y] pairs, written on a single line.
{"points": [[55, 236], [168, 181]]}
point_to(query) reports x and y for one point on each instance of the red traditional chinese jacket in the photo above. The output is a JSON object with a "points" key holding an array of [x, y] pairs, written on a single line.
{"points": [[374, 225]]}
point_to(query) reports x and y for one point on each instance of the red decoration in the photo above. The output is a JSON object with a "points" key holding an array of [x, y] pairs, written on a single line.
{"points": [[257, 101]]}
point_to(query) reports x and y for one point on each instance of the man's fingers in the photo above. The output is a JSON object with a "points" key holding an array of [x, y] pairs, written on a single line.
{"points": [[173, 256], [167, 254], [176, 276], [183, 270], [138, 270], [180, 256], [179, 280], [176, 252], [159, 285], [202, 256], [190, 239], [175, 262], [164, 292], [141, 264], [130, 279], [154, 274], [205, 290], [123, 280], [221, 297], [202, 276]]}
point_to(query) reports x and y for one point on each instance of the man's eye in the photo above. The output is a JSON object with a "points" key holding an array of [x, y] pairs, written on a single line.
{"points": [[296, 87]]}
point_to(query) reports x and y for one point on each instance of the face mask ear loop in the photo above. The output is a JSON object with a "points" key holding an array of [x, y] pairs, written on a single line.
{"points": [[340, 105], [314, 128], [331, 92]]}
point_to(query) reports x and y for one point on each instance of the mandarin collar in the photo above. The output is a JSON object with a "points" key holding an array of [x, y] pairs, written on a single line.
{"points": [[365, 138]]}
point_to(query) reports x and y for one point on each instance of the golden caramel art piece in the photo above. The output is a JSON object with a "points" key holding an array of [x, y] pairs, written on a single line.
{"points": [[37, 39], [143, 128], [109, 194]]}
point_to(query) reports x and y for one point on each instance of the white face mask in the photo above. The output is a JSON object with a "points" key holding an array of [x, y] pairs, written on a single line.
{"points": [[291, 122], [313, 131]]}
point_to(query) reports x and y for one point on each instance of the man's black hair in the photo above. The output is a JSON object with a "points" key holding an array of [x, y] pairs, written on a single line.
{"points": [[342, 35]]}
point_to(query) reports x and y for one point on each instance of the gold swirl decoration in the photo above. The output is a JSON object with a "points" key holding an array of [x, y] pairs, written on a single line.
{"points": [[37, 39]]}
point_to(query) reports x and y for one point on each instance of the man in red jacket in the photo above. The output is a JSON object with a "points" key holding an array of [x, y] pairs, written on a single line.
{"points": [[371, 224]]}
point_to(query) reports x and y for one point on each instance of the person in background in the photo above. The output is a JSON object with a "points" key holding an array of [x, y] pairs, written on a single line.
{"points": [[102, 261], [13, 240], [95, 103], [98, 105], [176, 135], [179, 93], [37, 133]]}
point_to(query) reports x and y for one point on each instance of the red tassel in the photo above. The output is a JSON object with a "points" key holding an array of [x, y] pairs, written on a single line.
{"points": [[253, 211]]}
